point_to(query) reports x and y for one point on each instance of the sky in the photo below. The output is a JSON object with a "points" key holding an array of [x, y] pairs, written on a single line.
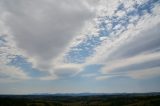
{"points": [[75, 46]]}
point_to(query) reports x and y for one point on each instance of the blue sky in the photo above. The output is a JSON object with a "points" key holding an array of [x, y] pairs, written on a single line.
{"points": [[78, 46]]}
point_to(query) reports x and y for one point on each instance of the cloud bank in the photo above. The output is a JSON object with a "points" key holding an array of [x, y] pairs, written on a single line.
{"points": [[64, 37]]}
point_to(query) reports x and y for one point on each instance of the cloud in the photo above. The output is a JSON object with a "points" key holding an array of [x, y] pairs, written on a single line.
{"points": [[8, 51], [147, 73], [121, 32], [114, 40], [128, 62], [146, 41], [12, 74], [135, 74], [136, 55], [42, 30], [88, 32], [132, 50], [67, 69]]}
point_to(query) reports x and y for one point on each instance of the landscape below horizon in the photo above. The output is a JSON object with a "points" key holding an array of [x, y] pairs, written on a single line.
{"points": [[123, 99]]}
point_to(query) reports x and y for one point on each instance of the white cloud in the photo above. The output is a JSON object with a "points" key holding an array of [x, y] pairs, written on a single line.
{"points": [[112, 46], [43, 29], [12, 74], [126, 62], [120, 14], [107, 8], [114, 41], [129, 4], [139, 44], [63, 70], [67, 70], [140, 49], [147, 73], [135, 74]]}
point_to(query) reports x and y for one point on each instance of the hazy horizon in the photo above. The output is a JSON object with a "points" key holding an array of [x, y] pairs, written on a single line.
{"points": [[84, 93]]}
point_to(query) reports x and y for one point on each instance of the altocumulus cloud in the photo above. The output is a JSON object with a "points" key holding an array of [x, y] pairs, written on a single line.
{"points": [[131, 49], [138, 57]]}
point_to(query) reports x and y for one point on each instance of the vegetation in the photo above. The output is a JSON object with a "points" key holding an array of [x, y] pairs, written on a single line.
{"points": [[90, 100]]}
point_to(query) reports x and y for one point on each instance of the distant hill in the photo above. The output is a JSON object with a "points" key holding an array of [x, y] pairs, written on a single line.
{"points": [[91, 94], [98, 94]]}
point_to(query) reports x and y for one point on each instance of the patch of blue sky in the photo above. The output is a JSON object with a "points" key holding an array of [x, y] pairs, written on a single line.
{"points": [[143, 8], [21, 62], [104, 31], [86, 48], [92, 69]]}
